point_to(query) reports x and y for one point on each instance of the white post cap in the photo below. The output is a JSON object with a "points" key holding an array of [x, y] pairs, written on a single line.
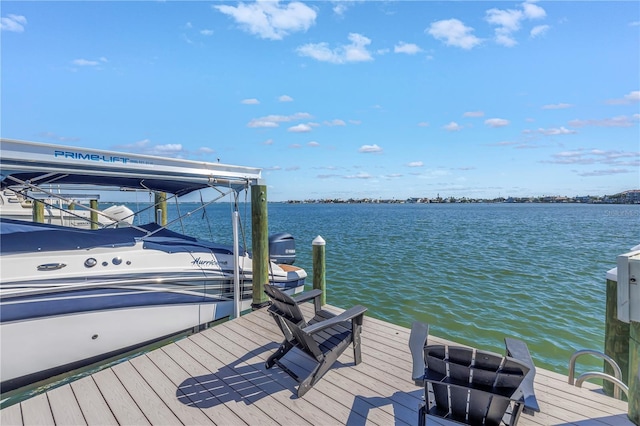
{"points": [[318, 241]]}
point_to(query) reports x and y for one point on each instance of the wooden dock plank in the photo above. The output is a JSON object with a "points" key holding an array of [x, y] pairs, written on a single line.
{"points": [[11, 416], [205, 384], [94, 408], [144, 395], [64, 406], [168, 391], [218, 377], [329, 407], [252, 385], [358, 382], [36, 411], [122, 405]]}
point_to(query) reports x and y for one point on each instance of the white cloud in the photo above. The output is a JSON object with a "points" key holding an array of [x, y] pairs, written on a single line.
{"points": [[556, 131], [605, 172], [262, 123], [368, 149], [13, 23], [509, 21], [269, 19], [300, 128], [85, 63], [454, 33], [539, 30], [616, 160], [533, 11], [285, 98], [144, 147], [557, 106], [423, 124], [274, 120], [621, 121], [206, 32], [361, 175], [496, 122], [453, 127], [629, 98], [355, 51], [313, 144], [473, 114], [408, 48], [633, 96], [251, 101], [335, 122], [170, 147], [415, 164]]}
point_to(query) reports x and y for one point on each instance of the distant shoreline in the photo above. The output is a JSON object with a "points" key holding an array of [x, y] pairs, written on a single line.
{"points": [[626, 197]]}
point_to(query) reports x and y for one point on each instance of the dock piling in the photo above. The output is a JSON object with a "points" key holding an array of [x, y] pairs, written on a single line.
{"points": [[259, 244], [161, 208], [93, 204], [634, 372], [616, 337], [38, 211], [319, 273]]}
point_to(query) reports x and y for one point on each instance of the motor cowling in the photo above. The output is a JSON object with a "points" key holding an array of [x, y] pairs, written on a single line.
{"points": [[282, 248]]}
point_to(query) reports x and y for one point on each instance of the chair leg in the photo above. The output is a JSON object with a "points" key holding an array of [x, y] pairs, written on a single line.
{"points": [[357, 355], [282, 351], [315, 376], [422, 414]]}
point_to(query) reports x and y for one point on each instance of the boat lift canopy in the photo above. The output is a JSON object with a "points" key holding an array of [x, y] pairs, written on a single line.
{"points": [[39, 164]]}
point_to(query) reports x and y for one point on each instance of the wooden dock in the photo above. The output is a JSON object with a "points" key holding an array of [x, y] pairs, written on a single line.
{"points": [[217, 377]]}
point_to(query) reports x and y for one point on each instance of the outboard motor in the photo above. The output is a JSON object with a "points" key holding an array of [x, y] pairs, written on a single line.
{"points": [[282, 248]]}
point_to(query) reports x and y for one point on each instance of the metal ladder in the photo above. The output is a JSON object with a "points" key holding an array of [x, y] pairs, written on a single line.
{"points": [[615, 379]]}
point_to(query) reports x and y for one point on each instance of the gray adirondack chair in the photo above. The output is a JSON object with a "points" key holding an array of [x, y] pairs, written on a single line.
{"points": [[322, 339], [472, 386]]}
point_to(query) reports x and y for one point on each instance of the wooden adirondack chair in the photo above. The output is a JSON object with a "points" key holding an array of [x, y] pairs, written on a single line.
{"points": [[471, 386], [323, 338]]}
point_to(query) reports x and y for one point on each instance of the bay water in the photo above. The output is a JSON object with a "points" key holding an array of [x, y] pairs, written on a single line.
{"points": [[477, 273]]}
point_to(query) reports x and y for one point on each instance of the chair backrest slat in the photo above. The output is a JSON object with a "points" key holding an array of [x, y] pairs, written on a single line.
{"points": [[473, 386], [285, 305]]}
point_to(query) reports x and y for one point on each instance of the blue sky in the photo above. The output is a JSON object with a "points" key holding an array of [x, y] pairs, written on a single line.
{"points": [[380, 99]]}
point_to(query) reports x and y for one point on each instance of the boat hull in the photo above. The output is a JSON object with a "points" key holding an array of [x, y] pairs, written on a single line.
{"points": [[60, 309], [35, 348]]}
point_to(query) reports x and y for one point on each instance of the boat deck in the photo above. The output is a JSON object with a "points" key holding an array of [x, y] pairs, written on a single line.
{"points": [[218, 377]]}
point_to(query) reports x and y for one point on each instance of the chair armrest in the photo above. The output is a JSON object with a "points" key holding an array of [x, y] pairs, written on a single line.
{"points": [[347, 315], [417, 342], [307, 295], [518, 349]]}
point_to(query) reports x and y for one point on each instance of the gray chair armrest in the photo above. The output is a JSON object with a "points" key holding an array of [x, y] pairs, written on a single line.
{"points": [[307, 295], [347, 315], [518, 349], [417, 342]]}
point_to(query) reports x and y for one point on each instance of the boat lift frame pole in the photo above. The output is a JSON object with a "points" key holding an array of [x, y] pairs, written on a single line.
{"points": [[237, 296]]}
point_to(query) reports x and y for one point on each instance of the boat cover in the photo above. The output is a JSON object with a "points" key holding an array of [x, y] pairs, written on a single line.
{"points": [[27, 237]]}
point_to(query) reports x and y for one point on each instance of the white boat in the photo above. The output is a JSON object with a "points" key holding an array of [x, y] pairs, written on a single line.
{"points": [[70, 297], [14, 205]]}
